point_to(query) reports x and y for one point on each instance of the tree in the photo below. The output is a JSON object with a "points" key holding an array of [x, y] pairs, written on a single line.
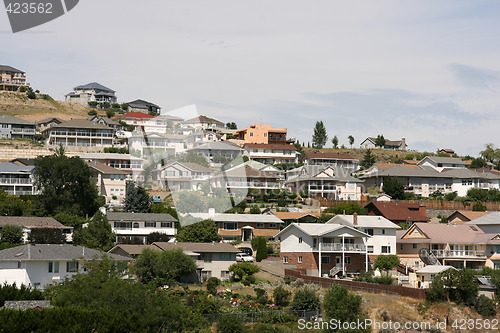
{"points": [[335, 142], [305, 299], [450, 196], [110, 113], [254, 210], [347, 208], [341, 305], [46, 236], [380, 141], [160, 267], [12, 234], [281, 296], [261, 249], [92, 113], [393, 187], [243, 269], [478, 163], [97, 235], [478, 207], [157, 237], [319, 137], [200, 232], [386, 262], [368, 160], [124, 106], [351, 140], [231, 125], [137, 200], [74, 221], [66, 185], [490, 154]]}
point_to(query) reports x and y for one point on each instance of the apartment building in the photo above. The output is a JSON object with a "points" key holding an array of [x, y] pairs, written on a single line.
{"points": [[12, 78], [91, 92], [263, 134], [132, 226], [16, 128], [271, 153], [17, 179], [79, 132]]}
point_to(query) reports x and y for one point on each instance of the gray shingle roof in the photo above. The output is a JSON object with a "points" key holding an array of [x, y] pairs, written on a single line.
{"points": [[313, 170], [32, 221], [138, 103], [44, 252], [140, 217], [94, 85], [238, 217], [444, 160], [9, 69], [79, 123], [6, 119], [218, 145], [491, 218], [198, 247], [9, 167]]}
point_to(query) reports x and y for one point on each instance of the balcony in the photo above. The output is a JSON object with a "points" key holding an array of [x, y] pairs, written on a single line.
{"points": [[322, 188], [23, 131], [459, 253], [15, 181], [339, 247], [11, 192], [257, 185]]}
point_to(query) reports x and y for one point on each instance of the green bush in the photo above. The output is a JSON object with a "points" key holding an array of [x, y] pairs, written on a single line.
{"points": [[305, 299], [248, 280], [229, 324], [243, 269], [13, 293], [384, 278], [259, 292], [261, 250], [92, 113], [485, 306], [343, 306], [281, 296], [212, 284]]}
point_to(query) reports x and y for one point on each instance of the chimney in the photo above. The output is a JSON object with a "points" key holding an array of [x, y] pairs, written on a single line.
{"points": [[403, 143], [211, 211], [355, 218]]}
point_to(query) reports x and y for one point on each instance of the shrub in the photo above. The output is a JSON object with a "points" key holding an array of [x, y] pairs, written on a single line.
{"points": [[229, 324], [242, 269], [341, 305], [92, 113], [297, 283], [13, 293], [384, 278], [212, 284], [305, 299], [485, 306], [261, 250], [259, 292], [248, 280], [254, 210], [281, 296], [267, 328], [93, 104]]}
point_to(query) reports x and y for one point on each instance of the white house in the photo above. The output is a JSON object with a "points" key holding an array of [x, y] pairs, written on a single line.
{"points": [[128, 226], [324, 249], [166, 144], [440, 163], [145, 122], [17, 179], [369, 143], [91, 92], [182, 176], [29, 223], [383, 232], [271, 153], [41, 265]]}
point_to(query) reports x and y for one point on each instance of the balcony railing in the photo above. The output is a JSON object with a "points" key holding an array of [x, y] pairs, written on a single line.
{"points": [[339, 247], [23, 131], [11, 192], [15, 181], [253, 184], [458, 253], [322, 188]]}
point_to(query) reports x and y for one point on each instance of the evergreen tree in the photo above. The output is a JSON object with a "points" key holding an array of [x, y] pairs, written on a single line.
{"points": [[319, 137], [97, 235], [393, 187], [12, 234], [335, 142], [200, 232], [368, 160], [351, 140], [137, 200], [46, 236], [380, 141]]}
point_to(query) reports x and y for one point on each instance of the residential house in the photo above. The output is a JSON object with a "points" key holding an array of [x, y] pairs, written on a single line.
{"points": [[488, 222], [29, 223], [17, 179], [426, 275], [143, 106], [173, 120], [447, 151], [297, 217], [12, 78], [200, 137], [242, 226], [381, 197], [182, 176], [425, 180], [381, 230], [263, 134], [16, 128], [398, 212], [105, 121], [212, 259], [462, 216], [324, 249], [336, 160], [41, 125], [132, 250], [245, 177], [42, 265], [271, 153], [457, 245], [80, 133], [166, 144], [224, 149], [24, 161], [91, 92], [202, 122], [442, 163], [111, 183], [132, 165], [326, 182], [369, 143], [145, 123], [132, 226]]}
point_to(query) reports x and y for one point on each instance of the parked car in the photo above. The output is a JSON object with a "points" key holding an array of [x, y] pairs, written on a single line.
{"points": [[246, 250], [241, 257], [156, 199]]}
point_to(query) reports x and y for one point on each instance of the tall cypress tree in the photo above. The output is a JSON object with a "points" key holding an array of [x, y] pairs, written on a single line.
{"points": [[319, 137]]}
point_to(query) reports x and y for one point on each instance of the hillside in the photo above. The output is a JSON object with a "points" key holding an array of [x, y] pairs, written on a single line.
{"points": [[19, 105]]}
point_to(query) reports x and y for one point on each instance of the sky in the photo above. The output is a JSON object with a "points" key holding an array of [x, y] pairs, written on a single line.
{"points": [[428, 71]]}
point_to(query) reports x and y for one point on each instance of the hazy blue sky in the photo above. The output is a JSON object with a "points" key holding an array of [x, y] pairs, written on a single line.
{"points": [[428, 71]]}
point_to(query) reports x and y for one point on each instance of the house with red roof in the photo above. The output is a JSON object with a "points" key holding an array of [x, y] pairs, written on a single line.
{"points": [[398, 212]]}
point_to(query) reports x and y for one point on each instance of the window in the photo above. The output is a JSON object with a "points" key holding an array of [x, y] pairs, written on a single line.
{"points": [[299, 260], [414, 245], [285, 260], [225, 274], [370, 249], [53, 267], [273, 225], [386, 249], [72, 266], [135, 225], [369, 232], [206, 275], [166, 224], [206, 257], [325, 260], [347, 260], [225, 256], [265, 135], [260, 225], [401, 246], [383, 231], [251, 135], [19, 263], [230, 226], [150, 224], [300, 240]]}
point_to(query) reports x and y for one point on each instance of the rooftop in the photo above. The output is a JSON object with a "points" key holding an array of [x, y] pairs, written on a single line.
{"points": [[398, 211], [198, 247], [203, 119], [9, 69], [42, 252], [78, 123], [365, 221], [219, 217], [32, 222], [328, 156], [140, 217], [94, 85], [6, 119]]}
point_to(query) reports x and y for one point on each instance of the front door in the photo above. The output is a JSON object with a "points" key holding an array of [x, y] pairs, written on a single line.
{"points": [[247, 235]]}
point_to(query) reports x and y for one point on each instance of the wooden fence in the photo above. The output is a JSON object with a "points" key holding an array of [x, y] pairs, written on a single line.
{"points": [[429, 204], [359, 286]]}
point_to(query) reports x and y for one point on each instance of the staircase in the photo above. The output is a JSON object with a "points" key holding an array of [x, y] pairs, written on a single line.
{"points": [[335, 270], [428, 257]]}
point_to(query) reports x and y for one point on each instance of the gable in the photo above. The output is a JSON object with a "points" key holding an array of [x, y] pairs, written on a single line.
{"points": [[414, 232]]}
